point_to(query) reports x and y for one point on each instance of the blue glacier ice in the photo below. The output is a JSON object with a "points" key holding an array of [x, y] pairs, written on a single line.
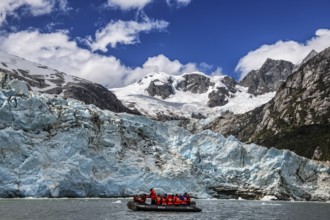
{"points": [[54, 147]]}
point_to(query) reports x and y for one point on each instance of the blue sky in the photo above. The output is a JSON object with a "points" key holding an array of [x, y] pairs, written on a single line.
{"points": [[117, 42]]}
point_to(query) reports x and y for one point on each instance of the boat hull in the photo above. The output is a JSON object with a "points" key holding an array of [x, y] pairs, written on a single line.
{"points": [[147, 207]]}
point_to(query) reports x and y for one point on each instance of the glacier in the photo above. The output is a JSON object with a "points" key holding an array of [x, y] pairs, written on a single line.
{"points": [[56, 147]]}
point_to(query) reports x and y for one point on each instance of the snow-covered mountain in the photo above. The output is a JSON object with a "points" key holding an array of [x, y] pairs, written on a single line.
{"points": [[46, 80], [161, 96], [298, 118], [55, 147]]}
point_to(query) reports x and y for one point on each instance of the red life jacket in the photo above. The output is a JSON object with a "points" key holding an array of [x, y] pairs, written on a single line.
{"points": [[143, 199], [169, 200], [158, 200], [188, 200], [177, 200], [153, 195], [164, 201]]}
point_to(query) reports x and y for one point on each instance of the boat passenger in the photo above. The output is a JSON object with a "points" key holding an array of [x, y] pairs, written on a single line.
{"points": [[177, 200], [158, 200], [153, 196], [169, 200], [183, 200], [188, 198], [164, 199], [143, 198], [136, 198]]}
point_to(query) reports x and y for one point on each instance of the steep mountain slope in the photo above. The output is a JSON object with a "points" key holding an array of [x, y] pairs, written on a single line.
{"points": [[52, 147], [268, 78], [43, 79], [161, 96], [297, 118]]}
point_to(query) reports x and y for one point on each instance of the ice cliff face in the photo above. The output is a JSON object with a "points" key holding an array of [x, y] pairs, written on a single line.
{"points": [[52, 147]]}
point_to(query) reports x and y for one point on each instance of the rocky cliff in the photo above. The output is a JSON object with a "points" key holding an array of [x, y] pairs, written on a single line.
{"points": [[46, 80], [55, 147], [268, 78], [297, 118]]}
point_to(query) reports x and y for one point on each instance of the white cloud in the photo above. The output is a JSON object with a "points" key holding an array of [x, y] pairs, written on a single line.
{"points": [[123, 32], [33, 7], [178, 3], [140, 4], [58, 51], [128, 4], [285, 50]]}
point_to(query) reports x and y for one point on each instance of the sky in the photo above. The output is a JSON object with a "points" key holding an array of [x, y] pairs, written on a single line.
{"points": [[117, 42]]}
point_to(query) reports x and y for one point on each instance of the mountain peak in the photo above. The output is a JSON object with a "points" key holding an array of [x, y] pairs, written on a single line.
{"points": [[43, 79], [268, 78]]}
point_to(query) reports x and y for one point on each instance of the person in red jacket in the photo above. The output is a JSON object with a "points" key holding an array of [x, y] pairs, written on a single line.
{"points": [[177, 200], [158, 200], [153, 196], [140, 199], [164, 199], [169, 200], [143, 198], [183, 200], [188, 198]]}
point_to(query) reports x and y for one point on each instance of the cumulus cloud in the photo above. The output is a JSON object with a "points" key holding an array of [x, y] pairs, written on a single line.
{"points": [[123, 32], [57, 50], [178, 3], [33, 7], [285, 50], [140, 4], [128, 4]]}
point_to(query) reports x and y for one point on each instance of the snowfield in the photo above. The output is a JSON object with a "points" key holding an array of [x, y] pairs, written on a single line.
{"points": [[185, 103]]}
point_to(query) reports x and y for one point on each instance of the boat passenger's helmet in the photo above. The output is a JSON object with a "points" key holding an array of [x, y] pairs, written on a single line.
{"points": [[151, 189]]}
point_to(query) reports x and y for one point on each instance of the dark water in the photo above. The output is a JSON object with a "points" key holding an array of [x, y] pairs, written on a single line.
{"points": [[108, 209]]}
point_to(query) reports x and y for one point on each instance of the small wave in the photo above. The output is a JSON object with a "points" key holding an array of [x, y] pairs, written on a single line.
{"points": [[118, 201], [270, 204]]}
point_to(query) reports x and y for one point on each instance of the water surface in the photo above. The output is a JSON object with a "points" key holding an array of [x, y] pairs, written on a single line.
{"points": [[107, 209]]}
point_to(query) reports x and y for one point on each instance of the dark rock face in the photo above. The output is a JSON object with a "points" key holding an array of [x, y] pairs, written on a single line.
{"points": [[230, 83], [92, 93], [218, 98], [195, 83], [157, 88], [297, 118], [268, 78], [83, 90]]}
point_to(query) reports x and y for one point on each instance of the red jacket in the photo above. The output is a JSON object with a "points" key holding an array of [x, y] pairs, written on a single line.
{"points": [[158, 200], [177, 200], [169, 200], [188, 200], [153, 194], [164, 201]]}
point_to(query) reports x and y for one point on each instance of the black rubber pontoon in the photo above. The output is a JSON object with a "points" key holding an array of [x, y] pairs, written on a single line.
{"points": [[147, 207]]}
